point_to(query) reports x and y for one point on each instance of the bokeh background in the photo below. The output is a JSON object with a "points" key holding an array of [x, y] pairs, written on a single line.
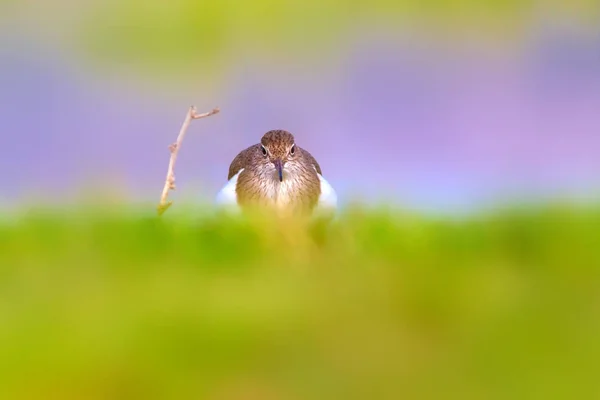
{"points": [[438, 104], [444, 106]]}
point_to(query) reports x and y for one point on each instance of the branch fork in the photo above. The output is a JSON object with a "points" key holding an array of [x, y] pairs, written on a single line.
{"points": [[192, 114]]}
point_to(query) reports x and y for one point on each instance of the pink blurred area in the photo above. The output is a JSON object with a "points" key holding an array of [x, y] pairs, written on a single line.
{"points": [[429, 126]]}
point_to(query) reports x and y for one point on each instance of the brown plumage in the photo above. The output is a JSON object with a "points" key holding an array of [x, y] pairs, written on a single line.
{"points": [[277, 172]]}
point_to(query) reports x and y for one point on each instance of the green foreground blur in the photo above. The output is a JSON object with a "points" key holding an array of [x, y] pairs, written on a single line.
{"points": [[378, 305]]}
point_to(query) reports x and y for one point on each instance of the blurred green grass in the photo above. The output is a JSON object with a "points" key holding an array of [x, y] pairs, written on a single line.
{"points": [[205, 37], [381, 304]]}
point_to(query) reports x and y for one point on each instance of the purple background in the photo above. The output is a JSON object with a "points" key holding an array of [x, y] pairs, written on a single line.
{"points": [[433, 128]]}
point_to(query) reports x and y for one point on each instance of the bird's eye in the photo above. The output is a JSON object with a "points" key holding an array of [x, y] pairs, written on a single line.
{"points": [[264, 150], [293, 149]]}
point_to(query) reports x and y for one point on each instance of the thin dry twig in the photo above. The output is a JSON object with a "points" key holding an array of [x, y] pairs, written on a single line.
{"points": [[174, 149]]}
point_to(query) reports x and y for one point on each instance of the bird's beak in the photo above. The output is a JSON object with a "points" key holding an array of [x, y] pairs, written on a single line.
{"points": [[279, 167]]}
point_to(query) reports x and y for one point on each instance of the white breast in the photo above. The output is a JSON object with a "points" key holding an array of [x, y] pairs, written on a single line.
{"points": [[328, 197], [279, 192], [227, 197]]}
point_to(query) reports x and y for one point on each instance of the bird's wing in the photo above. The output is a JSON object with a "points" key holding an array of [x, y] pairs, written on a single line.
{"points": [[241, 160], [227, 196], [328, 197], [312, 160]]}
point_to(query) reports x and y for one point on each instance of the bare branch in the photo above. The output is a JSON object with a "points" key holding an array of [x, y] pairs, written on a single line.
{"points": [[174, 149]]}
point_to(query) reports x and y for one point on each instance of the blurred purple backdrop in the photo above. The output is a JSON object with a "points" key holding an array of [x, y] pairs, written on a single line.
{"points": [[433, 128]]}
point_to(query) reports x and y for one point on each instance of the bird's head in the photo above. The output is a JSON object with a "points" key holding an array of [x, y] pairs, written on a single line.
{"points": [[277, 149]]}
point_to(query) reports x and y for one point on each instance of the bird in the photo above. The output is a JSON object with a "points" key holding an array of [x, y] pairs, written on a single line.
{"points": [[279, 174]]}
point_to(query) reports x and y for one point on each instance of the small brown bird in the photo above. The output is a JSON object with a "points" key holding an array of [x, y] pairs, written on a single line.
{"points": [[277, 173]]}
